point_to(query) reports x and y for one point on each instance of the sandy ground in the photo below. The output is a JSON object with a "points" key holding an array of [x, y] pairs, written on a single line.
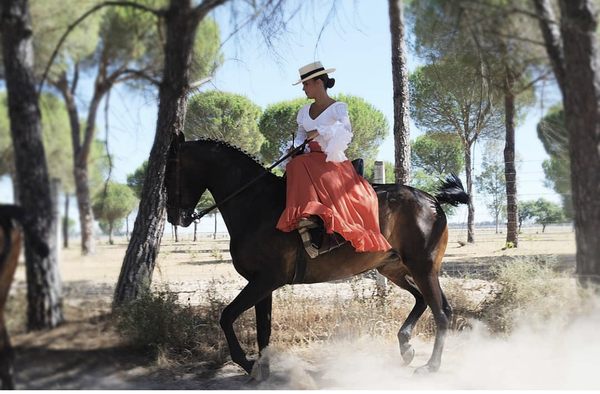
{"points": [[86, 353]]}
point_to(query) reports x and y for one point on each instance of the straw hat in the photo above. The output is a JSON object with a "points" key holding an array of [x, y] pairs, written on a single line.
{"points": [[312, 70]]}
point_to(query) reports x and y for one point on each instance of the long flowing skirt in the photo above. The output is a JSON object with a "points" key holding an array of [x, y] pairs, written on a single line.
{"points": [[335, 192]]}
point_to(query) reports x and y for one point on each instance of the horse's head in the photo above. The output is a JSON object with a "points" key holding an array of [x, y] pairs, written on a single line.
{"points": [[184, 186]]}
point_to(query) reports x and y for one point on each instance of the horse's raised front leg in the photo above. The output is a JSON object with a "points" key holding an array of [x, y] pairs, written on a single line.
{"points": [[254, 292]]}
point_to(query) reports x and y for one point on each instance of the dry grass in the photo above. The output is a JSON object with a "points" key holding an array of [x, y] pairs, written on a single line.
{"points": [[177, 330], [533, 291], [524, 289]]}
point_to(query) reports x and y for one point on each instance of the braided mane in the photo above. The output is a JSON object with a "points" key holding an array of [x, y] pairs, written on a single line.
{"points": [[230, 146]]}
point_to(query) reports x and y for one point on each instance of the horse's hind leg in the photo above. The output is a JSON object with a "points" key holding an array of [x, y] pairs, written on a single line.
{"points": [[432, 292], [405, 333], [251, 295], [400, 277], [446, 306]]}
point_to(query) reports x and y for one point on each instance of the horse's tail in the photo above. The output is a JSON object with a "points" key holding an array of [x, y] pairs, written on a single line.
{"points": [[8, 213], [452, 192]]}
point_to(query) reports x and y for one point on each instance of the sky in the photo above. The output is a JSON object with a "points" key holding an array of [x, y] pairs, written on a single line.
{"points": [[356, 42]]}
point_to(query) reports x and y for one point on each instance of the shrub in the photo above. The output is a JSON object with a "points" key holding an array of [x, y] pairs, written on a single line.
{"points": [[157, 320], [531, 291]]}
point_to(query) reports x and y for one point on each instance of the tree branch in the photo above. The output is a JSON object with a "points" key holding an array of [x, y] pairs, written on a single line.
{"points": [[158, 13], [509, 10], [205, 7], [75, 78], [130, 73]]}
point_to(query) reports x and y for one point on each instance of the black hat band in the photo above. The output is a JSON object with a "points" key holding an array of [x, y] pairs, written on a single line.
{"points": [[308, 74]]}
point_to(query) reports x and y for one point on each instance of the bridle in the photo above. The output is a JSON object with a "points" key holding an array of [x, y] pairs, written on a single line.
{"points": [[198, 215], [176, 162]]}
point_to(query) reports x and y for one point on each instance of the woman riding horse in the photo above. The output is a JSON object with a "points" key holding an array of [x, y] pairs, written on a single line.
{"points": [[324, 191]]}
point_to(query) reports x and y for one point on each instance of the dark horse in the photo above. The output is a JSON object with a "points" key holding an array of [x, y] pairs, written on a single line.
{"points": [[412, 221]]}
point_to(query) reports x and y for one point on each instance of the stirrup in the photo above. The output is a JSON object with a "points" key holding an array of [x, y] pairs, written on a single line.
{"points": [[329, 242], [303, 226]]}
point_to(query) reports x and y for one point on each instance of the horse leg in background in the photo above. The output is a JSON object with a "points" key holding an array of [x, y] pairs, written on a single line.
{"points": [[7, 357], [446, 306], [254, 292], [399, 277], [263, 334], [429, 286], [11, 237]]}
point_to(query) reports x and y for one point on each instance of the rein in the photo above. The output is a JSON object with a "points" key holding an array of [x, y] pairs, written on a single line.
{"points": [[199, 215]]}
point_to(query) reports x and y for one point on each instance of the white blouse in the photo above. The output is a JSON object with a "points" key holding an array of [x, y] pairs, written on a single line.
{"points": [[333, 125]]}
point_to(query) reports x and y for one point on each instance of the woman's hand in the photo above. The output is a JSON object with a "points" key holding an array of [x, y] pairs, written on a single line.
{"points": [[310, 135]]}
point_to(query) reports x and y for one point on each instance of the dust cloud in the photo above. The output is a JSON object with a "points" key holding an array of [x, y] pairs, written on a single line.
{"points": [[547, 355]]}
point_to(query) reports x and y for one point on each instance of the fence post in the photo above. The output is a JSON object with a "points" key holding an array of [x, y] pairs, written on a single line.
{"points": [[379, 177]]}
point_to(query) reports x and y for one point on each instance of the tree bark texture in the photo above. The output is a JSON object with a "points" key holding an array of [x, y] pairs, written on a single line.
{"points": [[581, 97], [510, 171], [552, 37], [44, 300], [400, 85], [138, 264]]}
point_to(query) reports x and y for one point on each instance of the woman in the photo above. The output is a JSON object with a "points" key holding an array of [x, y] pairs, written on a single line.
{"points": [[323, 188]]}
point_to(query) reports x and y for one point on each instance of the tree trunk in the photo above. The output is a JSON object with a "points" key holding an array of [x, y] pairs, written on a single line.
{"points": [[66, 223], [471, 206], [175, 234], [136, 273], [110, 231], [80, 169], [86, 218], [520, 225], [215, 232], [581, 97], [44, 302], [497, 220], [400, 85], [510, 171], [195, 230]]}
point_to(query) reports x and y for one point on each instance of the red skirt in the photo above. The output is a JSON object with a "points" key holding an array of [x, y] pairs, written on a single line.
{"points": [[335, 192]]}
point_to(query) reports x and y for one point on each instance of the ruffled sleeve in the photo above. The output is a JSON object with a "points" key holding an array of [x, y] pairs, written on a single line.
{"points": [[335, 138]]}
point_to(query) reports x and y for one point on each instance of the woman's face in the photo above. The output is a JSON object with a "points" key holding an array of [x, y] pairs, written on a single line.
{"points": [[311, 87]]}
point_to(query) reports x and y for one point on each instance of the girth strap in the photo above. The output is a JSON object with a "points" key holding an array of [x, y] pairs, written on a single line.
{"points": [[299, 267]]}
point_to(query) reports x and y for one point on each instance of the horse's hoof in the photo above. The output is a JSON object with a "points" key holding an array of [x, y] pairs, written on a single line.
{"points": [[426, 369], [408, 355], [260, 370]]}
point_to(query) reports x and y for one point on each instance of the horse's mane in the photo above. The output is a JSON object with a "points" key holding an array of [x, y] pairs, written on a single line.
{"points": [[237, 149]]}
